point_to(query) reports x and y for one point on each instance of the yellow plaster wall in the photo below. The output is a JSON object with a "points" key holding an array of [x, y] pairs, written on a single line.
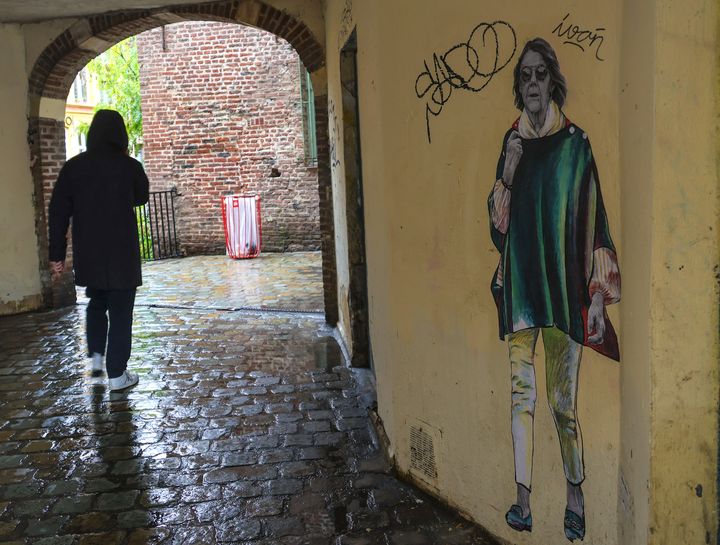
{"points": [[19, 269], [337, 169], [684, 287], [335, 40], [637, 125], [430, 258]]}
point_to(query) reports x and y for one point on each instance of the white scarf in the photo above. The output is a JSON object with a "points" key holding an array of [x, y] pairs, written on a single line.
{"points": [[554, 121]]}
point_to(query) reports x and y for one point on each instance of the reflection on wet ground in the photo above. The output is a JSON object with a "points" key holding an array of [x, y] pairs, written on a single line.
{"points": [[245, 428], [290, 281]]}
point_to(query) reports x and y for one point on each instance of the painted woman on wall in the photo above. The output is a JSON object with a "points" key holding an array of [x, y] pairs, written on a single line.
{"points": [[558, 269]]}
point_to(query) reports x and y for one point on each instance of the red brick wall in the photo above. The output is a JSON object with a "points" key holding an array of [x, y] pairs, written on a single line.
{"points": [[222, 114], [60, 291]]}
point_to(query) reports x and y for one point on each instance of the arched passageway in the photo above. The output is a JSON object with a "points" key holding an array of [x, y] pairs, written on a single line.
{"points": [[59, 63]]}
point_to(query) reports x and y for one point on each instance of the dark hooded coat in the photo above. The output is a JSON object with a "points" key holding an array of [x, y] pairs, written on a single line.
{"points": [[98, 189]]}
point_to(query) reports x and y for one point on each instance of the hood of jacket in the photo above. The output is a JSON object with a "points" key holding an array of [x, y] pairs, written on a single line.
{"points": [[107, 131]]}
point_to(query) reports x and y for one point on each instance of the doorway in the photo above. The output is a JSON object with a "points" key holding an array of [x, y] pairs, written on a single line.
{"points": [[54, 71], [358, 293]]}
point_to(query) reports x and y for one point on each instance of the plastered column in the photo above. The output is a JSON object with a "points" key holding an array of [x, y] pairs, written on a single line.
{"points": [[684, 288], [19, 276], [669, 165], [637, 125]]}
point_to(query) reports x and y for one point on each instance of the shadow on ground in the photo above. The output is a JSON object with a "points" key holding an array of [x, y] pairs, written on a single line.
{"points": [[245, 428]]}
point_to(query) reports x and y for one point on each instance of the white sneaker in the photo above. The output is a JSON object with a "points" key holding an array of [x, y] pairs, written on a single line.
{"points": [[97, 365], [126, 380]]}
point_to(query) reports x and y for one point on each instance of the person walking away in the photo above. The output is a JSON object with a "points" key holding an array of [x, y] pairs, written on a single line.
{"points": [[98, 190]]}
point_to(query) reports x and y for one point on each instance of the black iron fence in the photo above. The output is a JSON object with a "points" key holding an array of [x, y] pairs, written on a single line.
{"points": [[156, 226]]}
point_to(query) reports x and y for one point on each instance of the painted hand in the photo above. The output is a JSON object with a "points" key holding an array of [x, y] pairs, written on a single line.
{"points": [[57, 268], [513, 153], [596, 320]]}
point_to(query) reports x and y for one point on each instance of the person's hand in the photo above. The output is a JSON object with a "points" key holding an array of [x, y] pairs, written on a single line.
{"points": [[596, 319], [57, 268], [513, 153]]}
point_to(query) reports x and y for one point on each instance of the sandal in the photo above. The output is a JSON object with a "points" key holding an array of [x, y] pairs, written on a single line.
{"points": [[516, 521]]}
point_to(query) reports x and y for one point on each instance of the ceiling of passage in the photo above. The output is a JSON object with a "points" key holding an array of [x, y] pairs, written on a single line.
{"points": [[31, 11]]}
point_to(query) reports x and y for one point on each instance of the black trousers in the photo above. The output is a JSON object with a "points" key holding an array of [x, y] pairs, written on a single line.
{"points": [[117, 305]]}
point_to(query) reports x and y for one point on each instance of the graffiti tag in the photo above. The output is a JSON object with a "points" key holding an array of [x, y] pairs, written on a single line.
{"points": [[582, 39], [334, 135], [470, 65]]}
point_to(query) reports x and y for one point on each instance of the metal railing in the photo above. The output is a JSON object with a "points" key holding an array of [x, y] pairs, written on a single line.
{"points": [[156, 226]]}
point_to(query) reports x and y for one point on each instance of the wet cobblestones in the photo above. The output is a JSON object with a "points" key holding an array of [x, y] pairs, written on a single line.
{"points": [[289, 281], [245, 429]]}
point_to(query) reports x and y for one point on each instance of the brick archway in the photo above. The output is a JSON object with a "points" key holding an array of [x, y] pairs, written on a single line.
{"points": [[59, 63]]}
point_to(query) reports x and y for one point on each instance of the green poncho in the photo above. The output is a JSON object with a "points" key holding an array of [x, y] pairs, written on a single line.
{"points": [[557, 219]]}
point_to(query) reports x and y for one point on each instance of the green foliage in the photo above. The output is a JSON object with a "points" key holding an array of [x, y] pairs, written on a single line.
{"points": [[118, 76], [143, 222]]}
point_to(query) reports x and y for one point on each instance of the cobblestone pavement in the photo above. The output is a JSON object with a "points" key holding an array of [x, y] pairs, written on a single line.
{"points": [[245, 429], [290, 281]]}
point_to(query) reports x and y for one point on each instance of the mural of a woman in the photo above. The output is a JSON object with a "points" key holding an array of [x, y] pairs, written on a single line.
{"points": [[558, 270]]}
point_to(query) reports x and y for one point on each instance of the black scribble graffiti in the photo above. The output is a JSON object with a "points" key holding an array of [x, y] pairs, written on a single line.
{"points": [[581, 39], [334, 135], [470, 65]]}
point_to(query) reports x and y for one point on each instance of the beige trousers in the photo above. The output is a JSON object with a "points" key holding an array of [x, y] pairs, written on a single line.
{"points": [[562, 362]]}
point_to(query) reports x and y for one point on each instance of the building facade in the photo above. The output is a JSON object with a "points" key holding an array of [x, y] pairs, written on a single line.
{"points": [[226, 111], [81, 101]]}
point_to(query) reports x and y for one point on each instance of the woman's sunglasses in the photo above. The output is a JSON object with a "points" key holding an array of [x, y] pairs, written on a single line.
{"points": [[526, 73]]}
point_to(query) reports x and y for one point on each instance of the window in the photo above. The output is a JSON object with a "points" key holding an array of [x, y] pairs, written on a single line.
{"points": [[79, 89], [308, 115], [82, 142]]}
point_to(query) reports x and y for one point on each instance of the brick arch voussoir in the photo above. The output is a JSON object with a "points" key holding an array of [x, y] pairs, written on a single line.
{"points": [[220, 12], [295, 32], [59, 80], [265, 17], [44, 67], [57, 66]]}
